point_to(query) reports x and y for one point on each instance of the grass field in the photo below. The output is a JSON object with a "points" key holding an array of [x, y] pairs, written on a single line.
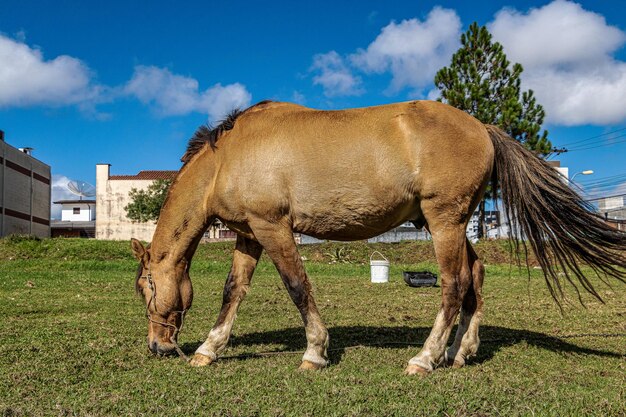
{"points": [[72, 340]]}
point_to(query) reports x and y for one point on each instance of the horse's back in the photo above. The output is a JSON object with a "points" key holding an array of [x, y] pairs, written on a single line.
{"points": [[365, 168]]}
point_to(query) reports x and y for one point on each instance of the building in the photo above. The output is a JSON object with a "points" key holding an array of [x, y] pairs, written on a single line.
{"points": [[406, 231], [25, 190], [494, 227], [564, 171], [613, 209], [218, 232], [112, 195], [78, 219], [111, 198]]}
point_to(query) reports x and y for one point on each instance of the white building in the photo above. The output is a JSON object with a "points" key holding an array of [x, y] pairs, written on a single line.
{"points": [[77, 210], [494, 225], [77, 219]]}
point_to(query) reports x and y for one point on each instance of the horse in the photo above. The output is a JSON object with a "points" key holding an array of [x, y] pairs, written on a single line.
{"points": [[275, 169]]}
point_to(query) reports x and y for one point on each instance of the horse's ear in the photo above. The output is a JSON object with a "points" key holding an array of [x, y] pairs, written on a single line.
{"points": [[138, 249]]}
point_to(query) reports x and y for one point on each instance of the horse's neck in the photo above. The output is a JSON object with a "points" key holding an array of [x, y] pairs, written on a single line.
{"points": [[184, 217]]}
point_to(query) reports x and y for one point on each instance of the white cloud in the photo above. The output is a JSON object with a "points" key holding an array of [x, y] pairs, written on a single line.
{"points": [[559, 33], [335, 76], [567, 53], [412, 50], [219, 100], [577, 97], [27, 79], [433, 94], [173, 94], [298, 97]]}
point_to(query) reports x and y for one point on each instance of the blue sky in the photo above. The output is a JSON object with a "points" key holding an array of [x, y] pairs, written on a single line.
{"points": [[127, 83]]}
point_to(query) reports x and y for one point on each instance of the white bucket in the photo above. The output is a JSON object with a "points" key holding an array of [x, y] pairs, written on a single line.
{"points": [[379, 269]]}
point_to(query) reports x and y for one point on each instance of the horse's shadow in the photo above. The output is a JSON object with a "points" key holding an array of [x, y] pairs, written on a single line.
{"points": [[493, 339]]}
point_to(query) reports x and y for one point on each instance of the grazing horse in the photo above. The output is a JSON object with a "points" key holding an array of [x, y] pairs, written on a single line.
{"points": [[279, 168]]}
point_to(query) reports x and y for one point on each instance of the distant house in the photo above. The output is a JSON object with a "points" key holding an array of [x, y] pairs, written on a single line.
{"points": [[613, 209], [25, 190], [111, 198], [77, 219], [112, 195]]}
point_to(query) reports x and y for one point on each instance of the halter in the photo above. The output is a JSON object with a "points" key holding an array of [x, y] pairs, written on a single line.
{"points": [[152, 287]]}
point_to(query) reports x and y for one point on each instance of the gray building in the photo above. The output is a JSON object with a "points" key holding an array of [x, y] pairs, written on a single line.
{"points": [[25, 189], [613, 208]]}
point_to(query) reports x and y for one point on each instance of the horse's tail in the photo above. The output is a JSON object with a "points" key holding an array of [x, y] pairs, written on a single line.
{"points": [[559, 225]]}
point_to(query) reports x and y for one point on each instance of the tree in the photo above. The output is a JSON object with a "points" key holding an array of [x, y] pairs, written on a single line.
{"points": [[481, 81], [146, 204]]}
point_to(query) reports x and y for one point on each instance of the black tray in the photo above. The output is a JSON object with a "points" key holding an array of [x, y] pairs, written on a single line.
{"points": [[419, 278]]}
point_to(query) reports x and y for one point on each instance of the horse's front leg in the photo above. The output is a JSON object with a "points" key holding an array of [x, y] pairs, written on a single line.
{"points": [[277, 239], [245, 258]]}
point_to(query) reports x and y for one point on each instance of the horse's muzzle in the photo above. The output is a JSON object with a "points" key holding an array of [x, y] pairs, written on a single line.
{"points": [[160, 349]]}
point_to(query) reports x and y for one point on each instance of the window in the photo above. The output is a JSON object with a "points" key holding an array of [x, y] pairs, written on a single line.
{"points": [[76, 210]]}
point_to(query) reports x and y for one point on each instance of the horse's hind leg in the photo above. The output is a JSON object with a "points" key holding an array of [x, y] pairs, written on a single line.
{"points": [[245, 258], [277, 240], [449, 240], [466, 340]]}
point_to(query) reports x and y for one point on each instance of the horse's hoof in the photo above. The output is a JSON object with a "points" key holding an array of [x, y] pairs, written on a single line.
{"points": [[310, 366], [200, 360], [416, 370], [458, 364], [453, 363]]}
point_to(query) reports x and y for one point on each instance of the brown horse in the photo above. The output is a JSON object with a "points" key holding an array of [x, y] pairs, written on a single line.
{"points": [[279, 168]]}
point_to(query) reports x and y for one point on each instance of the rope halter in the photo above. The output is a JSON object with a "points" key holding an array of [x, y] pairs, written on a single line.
{"points": [[153, 300]]}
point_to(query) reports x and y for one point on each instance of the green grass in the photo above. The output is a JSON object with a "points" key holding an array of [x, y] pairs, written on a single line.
{"points": [[72, 340]]}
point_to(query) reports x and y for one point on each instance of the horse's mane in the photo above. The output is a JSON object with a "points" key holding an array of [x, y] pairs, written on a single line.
{"points": [[210, 134]]}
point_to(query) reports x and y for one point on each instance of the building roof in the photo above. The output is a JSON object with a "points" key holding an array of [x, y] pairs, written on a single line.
{"points": [[75, 202], [20, 149], [147, 175]]}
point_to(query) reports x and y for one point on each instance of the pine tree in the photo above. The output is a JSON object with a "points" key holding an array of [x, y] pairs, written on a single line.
{"points": [[481, 81]]}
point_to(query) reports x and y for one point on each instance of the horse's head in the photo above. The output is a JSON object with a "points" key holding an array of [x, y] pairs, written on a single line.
{"points": [[166, 288]]}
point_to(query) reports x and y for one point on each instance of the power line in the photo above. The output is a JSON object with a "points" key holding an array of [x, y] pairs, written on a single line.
{"points": [[607, 184], [594, 137], [591, 146], [599, 188], [596, 198], [603, 183], [591, 180]]}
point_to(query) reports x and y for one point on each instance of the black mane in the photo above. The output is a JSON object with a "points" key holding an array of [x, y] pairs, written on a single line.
{"points": [[210, 134]]}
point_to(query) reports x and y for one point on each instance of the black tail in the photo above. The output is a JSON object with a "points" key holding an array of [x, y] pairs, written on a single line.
{"points": [[559, 225]]}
